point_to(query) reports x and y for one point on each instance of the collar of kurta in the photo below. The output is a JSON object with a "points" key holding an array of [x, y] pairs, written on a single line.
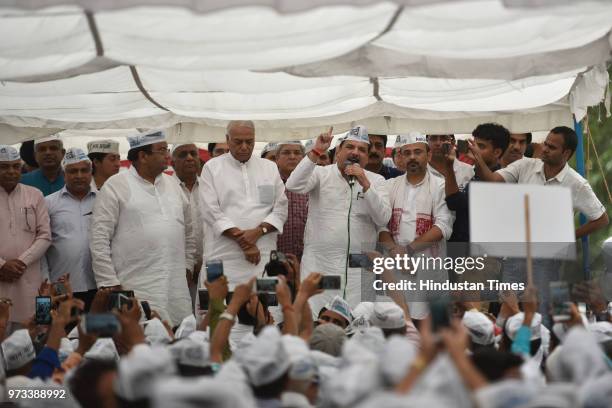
{"points": [[182, 183], [17, 188], [64, 191], [420, 183], [134, 173], [237, 163], [559, 176]]}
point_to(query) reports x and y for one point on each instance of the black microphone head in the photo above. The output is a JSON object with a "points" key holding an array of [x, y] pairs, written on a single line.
{"points": [[353, 160]]}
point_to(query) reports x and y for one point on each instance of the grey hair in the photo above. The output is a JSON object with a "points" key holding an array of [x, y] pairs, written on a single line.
{"points": [[239, 123]]}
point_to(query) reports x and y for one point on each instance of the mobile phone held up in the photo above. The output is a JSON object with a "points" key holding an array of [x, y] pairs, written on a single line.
{"points": [[146, 309], [101, 324], [204, 299], [440, 313], [266, 285], [214, 270], [330, 282], [560, 303], [118, 298], [43, 310]]}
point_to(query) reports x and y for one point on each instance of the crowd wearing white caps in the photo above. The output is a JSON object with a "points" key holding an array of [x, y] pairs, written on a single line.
{"points": [[317, 347]]}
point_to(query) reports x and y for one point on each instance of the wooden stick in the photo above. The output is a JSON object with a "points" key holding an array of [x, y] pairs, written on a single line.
{"points": [[528, 243]]}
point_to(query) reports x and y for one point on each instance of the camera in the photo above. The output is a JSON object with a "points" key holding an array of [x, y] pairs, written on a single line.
{"points": [[102, 324], [275, 266]]}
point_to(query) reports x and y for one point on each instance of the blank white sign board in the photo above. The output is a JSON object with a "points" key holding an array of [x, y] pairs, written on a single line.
{"points": [[497, 220]]}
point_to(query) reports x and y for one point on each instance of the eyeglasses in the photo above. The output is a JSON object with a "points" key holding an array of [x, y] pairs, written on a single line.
{"points": [[163, 150]]}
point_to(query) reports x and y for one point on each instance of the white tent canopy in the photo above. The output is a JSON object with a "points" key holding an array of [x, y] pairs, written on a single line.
{"points": [[297, 67]]}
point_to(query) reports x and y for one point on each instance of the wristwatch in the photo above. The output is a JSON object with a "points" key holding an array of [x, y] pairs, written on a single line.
{"points": [[264, 230]]}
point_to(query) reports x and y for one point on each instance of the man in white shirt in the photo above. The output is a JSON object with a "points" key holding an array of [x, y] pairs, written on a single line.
{"points": [[552, 169], [346, 206], [420, 216], [186, 164], [105, 161], [244, 206], [141, 235], [70, 211], [440, 146]]}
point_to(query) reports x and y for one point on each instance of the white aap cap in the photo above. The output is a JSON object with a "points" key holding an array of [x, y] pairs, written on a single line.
{"points": [[269, 147], [103, 146], [359, 134], [341, 307], [177, 145], [103, 349], [190, 353], [145, 139], [8, 154], [481, 329], [514, 323], [387, 315], [155, 332], [18, 349], [187, 326], [50, 138], [266, 360], [410, 138], [74, 155]]}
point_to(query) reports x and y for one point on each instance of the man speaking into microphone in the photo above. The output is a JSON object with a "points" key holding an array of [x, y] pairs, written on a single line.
{"points": [[346, 206]]}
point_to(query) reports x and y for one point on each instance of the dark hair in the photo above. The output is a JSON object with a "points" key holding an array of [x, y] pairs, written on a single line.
{"points": [[570, 140], [26, 151], [384, 137], [529, 137], [529, 150], [211, 147], [390, 332], [83, 383], [133, 153], [493, 363], [273, 389], [342, 142], [494, 133], [93, 157], [332, 154]]}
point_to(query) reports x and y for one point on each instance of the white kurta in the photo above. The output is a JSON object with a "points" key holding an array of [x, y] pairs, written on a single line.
{"points": [[240, 195], [326, 238], [141, 239], [432, 187]]}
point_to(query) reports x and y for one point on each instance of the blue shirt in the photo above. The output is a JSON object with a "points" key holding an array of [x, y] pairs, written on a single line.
{"points": [[69, 251], [45, 363], [37, 179]]}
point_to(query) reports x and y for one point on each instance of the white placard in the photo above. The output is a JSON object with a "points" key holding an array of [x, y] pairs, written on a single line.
{"points": [[497, 217]]}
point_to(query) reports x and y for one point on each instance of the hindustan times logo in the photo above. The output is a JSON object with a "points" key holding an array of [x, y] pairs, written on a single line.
{"points": [[412, 264]]}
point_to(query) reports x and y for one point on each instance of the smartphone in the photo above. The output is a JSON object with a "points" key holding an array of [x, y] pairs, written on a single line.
{"points": [[267, 285], [440, 313], [560, 301], [117, 299], [446, 148], [358, 261], [60, 288], [101, 324], [146, 309], [330, 282], [214, 270], [204, 299], [43, 310], [268, 299]]}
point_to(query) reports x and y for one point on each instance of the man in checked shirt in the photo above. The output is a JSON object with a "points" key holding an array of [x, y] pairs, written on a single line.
{"points": [[291, 241]]}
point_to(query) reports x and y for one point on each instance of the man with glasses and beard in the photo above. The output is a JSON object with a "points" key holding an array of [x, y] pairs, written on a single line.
{"points": [[141, 236]]}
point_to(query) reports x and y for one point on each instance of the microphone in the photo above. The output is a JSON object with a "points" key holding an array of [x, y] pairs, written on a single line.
{"points": [[351, 162]]}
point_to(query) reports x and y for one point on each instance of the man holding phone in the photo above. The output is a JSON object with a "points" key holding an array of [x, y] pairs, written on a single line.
{"points": [[342, 197], [25, 234], [442, 146]]}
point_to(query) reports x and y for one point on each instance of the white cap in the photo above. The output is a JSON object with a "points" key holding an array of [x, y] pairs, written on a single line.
{"points": [[410, 138], [309, 145], [601, 330], [482, 330], [65, 349], [191, 353], [304, 369], [50, 138], [514, 323], [74, 155], [198, 392], [187, 326], [388, 315], [266, 360], [155, 332], [396, 358], [138, 370], [359, 134], [103, 349], [269, 147], [103, 146], [177, 145], [341, 307], [290, 142], [8, 154], [363, 309], [18, 349], [145, 139]]}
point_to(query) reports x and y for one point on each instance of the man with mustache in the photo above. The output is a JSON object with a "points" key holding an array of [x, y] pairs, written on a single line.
{"points": [[420, 216], [516, 149], [377, 153], [346, 206], [441, 146], [49, 176], [70, 211]]}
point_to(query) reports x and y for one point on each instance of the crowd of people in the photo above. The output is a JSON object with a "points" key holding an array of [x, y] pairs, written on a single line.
{"points": [[138, 288]]}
